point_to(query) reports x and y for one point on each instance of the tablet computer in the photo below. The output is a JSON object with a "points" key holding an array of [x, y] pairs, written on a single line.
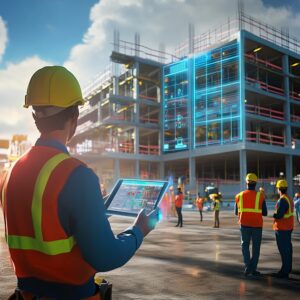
{"points": [[129, 196]]}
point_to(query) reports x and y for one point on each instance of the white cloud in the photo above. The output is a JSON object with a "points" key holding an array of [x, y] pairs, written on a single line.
{"points": [[14, 79], [3, 37], [157, 21], [160, 21]]}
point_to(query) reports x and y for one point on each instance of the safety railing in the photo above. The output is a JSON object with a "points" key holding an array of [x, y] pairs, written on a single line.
{"points": [[295, 118], [265, 112], [151, 98], [295, 95], [267, 64], [265, 138], [264, 86], [101, 80], [132, 49], [149, 149], [149, 120]]}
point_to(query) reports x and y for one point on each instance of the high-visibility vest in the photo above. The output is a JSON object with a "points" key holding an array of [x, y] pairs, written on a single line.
{"points": [[38, 244], [179, 200], [250, 208], [216, 205], [287, 222], [199, 203]]}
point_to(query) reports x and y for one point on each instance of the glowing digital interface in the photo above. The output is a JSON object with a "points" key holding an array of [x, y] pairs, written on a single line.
{"points": [[175, 106], [134, 195], [217, 113], [215, 94]]}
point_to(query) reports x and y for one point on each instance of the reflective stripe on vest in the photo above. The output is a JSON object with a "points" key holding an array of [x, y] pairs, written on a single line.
{"points": [[241, 208], [289, 212], [37, 243]]}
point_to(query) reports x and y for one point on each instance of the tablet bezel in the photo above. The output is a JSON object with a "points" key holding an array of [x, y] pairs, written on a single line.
{"points": [[116, 188]]}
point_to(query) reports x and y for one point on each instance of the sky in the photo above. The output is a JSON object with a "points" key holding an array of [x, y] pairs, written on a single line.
{"points": [[78, 34]]}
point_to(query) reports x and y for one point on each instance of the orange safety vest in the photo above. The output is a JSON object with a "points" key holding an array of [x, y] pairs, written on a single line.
{"points": [[287, 222], [199, 203], [250, 208], [179, 200], [38, 244]]}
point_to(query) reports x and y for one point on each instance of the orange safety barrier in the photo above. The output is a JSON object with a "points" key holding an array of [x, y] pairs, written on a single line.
{"points": [[265, 138], [295, 118], [149, 149], [295, 95], [265, 86], [263, 62], [266, 112], [148, 120]]}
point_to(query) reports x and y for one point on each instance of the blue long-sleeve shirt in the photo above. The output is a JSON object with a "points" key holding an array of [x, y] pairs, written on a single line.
{"points": [[282, 207], [82, 214]]}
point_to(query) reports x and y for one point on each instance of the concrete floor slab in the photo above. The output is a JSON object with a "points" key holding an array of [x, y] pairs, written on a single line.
{"points": [[193, 262]]}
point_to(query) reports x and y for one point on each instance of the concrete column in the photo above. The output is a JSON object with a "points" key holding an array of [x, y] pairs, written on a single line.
{"points": [[287, 106], [192, 174], [289, 173], [243, 168], [115, 81], [137, 169], [161, 170], [137, 140], [116, 169], [99, 112]]}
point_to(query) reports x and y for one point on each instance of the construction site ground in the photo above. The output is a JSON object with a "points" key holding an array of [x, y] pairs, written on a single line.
{"points": [[193, 262]]}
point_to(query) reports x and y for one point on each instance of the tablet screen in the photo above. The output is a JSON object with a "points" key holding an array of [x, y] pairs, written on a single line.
{"points": [[132, 195]]}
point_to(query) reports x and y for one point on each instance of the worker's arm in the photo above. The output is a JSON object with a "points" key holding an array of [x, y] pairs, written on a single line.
{"points": [[282, 208], [82, 214], [264, 208], [236, 210]]}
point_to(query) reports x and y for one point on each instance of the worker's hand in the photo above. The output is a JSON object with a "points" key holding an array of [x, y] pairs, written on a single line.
{"points": [[146, 223]]}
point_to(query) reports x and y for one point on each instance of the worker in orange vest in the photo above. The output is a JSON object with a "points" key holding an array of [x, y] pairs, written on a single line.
{"points": [[56, 227], [250, 206], [199, 202], [178, 205], [283, 226]]}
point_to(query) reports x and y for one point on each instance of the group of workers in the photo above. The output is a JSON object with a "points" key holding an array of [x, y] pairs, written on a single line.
{"points": [[250, 207], [56, 228]]}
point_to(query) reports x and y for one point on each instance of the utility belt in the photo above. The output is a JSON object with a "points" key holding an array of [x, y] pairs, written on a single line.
{"points": [[104, 292]]}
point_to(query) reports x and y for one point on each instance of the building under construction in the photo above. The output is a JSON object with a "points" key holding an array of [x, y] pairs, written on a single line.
{"points": [[225, 103]]}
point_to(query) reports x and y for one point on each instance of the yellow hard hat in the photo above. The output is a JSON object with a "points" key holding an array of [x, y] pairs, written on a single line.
{"points": [[281, 184], [251, 177], [53, 86]]}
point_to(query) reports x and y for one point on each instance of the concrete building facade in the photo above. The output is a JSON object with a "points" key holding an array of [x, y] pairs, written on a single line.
{"points": [[225, 104]]}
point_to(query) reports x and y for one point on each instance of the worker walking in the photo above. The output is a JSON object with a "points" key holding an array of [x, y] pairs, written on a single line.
{"points": [[216, 209], [199, 203], [283, 226], [56, 227], [178, 205], [297, 206], [250, 206]]}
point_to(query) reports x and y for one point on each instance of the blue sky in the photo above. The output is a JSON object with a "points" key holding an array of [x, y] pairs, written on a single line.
{"points": [[48, 28], [79, 33]]}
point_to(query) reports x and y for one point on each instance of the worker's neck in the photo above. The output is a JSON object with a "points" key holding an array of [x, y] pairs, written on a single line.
{"points": [[58, 135]]}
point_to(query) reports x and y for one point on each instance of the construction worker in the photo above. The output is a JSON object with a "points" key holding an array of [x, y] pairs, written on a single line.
{"points": [[56, 227], [297, 206], [283, 226], [216, 209], [178, 205], [250, 206], [199, 203]]}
